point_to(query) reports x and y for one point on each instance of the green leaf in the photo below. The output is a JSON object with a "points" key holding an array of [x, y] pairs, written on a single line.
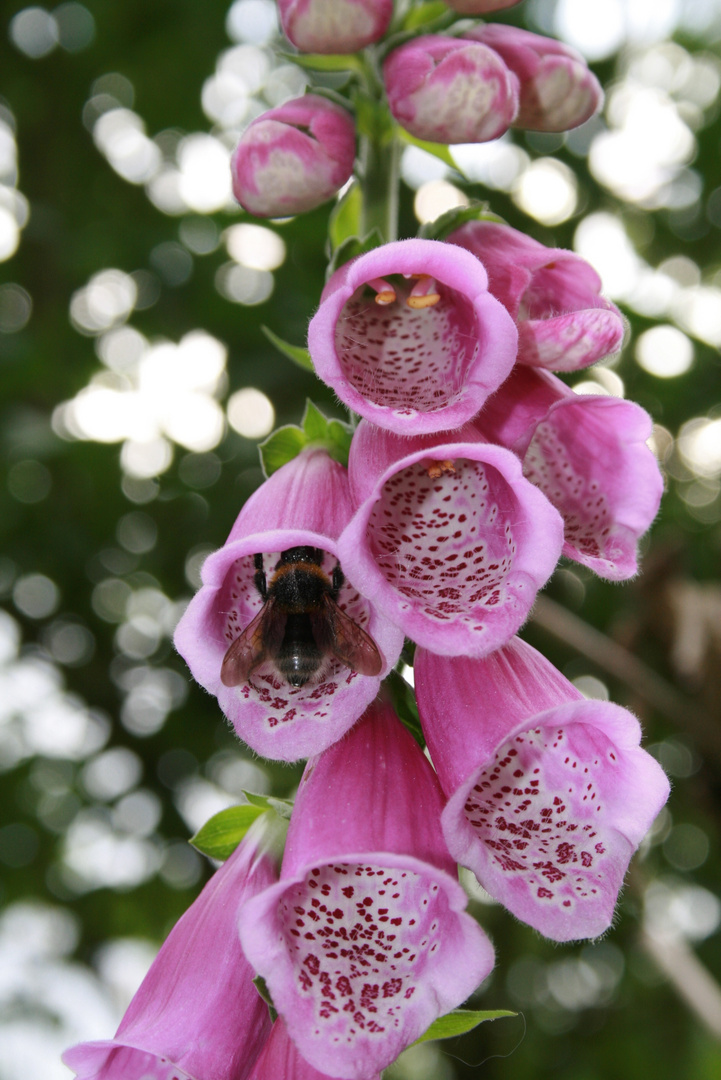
{"points": [[261, 986], [316, 430], [296, 353], [282, 807], [220, 836], [281, 447], [444, 225], [439, 150], [352, 248], [404, 703], [426, 13], [459, 1022], [322, 62], [345, 218]]}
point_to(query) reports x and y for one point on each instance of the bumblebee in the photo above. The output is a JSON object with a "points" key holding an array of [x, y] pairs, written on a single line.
{"points": [[299, 625]]}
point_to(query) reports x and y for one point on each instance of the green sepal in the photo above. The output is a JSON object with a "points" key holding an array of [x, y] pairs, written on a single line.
{"points": [[404, 703], [447, 223], [439, 150], [220, 836], [316, 430], [296, 353], [261, 986], [435, 11], [345, 217], [352, 248], [459, 1022], [261, 803], [324, 62]]}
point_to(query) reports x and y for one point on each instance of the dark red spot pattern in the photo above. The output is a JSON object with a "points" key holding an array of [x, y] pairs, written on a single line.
{"points": [[360, 939], [239, 602], [406, 359], [538, 810], [578, 497], [446, 544]]}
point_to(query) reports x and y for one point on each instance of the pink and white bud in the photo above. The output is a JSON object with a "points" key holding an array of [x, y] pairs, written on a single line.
{"points": [[280, 1060], [450, 540], [549, 794], [450, 91], [306, 503], [408, 336], [480, 7], [364, 942], [553, 295], [557, 90], [334, 26], [197, 1014], [589, 456], [293, 158]]}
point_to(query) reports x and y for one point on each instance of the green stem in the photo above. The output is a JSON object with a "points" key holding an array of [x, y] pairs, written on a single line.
{"points": [[380, 161]]}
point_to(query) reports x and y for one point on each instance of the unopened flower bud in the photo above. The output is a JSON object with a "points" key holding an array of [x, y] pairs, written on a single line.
{"points": [[451, 91], [557, 90], [334, 26], [293, 158]]}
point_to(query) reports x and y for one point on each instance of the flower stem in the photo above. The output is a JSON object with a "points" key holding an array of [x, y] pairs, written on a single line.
{"points": [[380, 161]]}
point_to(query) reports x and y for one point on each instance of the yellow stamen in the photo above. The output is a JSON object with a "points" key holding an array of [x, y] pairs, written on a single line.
{"points": [[430, 300], [385, 297], [436, 469]]}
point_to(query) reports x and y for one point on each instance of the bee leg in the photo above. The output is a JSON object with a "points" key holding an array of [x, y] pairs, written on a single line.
{"points": [[259, 578], [338, 580]]}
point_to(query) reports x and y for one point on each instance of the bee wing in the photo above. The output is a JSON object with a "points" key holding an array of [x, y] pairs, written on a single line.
{"points": [[336, 633], [253, 645]]}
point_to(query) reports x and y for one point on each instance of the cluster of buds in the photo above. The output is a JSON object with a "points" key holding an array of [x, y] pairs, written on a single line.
{"points": [[471, 470], [463, 89]]}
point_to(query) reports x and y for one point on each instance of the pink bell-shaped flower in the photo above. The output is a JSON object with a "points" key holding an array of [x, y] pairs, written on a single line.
{"points": [[548, 794], [280, 1060], [557, 90], [408, 336], [301, 673], [197, 1014], [588, 455], [450, 540], [364, 942], [449, 90], [334, 26], [553, 295], [294, 157]]}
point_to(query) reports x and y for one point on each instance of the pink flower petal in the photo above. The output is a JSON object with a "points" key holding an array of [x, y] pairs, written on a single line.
{"points": [[451, 91], [294, 157], [589, 457], [407, 369], [281, 1061], [334, 26], [197, 1014], [451, 542], [305, 503], [364, 941], [549, 794], [553, 295]]}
